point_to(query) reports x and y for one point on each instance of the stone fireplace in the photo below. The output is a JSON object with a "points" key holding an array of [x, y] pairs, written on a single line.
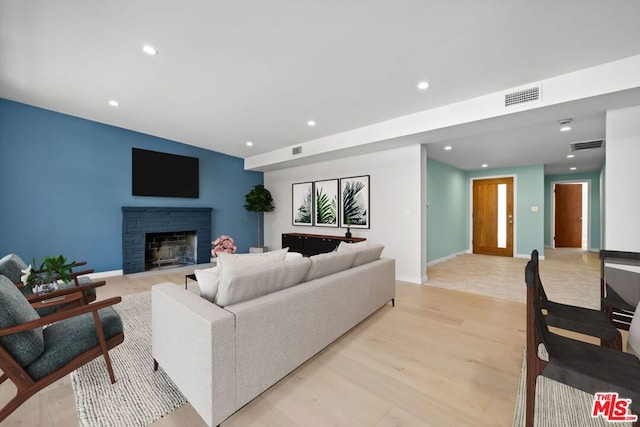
{"points": [[143, 228]]}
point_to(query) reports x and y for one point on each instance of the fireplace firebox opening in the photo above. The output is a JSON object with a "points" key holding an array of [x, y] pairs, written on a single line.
{"points": [[170, 249]]}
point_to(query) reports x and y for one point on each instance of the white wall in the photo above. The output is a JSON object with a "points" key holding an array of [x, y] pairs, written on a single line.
{"points": [[622, 180], [397, 212]]}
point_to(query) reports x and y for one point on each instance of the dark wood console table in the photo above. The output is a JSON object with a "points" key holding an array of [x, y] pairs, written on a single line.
{"points": [[313, 244]]}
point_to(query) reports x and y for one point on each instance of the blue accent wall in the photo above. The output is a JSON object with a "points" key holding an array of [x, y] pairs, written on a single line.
{"points": [[594, 194], [65, 180], [529, 192], [447, 213]]}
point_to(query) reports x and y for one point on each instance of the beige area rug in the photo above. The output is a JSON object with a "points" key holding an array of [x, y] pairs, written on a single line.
{"points": [[569, 277], [558, 405], [140, 396]]}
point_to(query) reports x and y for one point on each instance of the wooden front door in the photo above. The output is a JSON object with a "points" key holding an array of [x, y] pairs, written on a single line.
{"points": [[493, 216], [568, 216]]}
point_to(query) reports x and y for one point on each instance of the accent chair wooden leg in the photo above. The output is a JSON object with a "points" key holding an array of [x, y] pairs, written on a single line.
{"points": [[393, 302], [15, 403], [530, 394], [103, 345]]}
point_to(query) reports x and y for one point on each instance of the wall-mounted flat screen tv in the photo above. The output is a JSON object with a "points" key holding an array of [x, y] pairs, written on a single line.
{"points": [[164, 175]]}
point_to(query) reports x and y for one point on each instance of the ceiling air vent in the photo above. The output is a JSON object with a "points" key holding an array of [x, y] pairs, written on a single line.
{"points": [[587, 145], [296, 150], [522, 96]]}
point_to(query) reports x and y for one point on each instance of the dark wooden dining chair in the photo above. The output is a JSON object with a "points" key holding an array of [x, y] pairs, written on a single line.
{"points": [[595, 323], [578, 364], [33, 357], [619, 309]]}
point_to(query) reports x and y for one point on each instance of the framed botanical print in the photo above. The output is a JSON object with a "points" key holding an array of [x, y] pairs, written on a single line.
{"points": [[325, 203], [302, 203], [354, 202]]}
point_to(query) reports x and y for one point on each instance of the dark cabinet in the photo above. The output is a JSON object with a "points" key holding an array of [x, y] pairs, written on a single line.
{"points": [[313, 244]]}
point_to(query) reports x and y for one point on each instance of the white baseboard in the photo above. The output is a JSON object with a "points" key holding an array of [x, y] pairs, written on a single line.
{"points": [[102, 274], [525, 256], [411, 279], [596, 250], [446, 258]]}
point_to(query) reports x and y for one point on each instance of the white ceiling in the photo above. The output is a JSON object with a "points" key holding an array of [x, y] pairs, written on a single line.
{"points": [[229, 72]]}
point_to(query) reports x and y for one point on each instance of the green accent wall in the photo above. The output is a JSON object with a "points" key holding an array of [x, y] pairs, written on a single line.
{"points": [[594, 210], [447, 217], [529, 232]]}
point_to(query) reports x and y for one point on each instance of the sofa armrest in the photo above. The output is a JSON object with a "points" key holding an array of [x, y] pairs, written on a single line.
{"points": [[194, 343]]}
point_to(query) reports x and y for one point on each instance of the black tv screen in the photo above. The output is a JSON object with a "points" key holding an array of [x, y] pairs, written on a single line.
{"points": [[164, 175]]}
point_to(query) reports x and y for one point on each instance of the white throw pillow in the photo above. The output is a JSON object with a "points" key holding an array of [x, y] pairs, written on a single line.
{"points": [[226, 260], [292, 255], [329, 263], [344, 246], [368, 254], [258, 280], [232, 264], [208, 281]]}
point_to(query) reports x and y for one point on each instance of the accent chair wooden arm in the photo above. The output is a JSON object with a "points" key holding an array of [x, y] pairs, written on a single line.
{"points": [[61, 315]]}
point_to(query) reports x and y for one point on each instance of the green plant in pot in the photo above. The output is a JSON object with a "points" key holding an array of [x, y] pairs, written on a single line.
{"points": [[52, 269], [258, 200]]}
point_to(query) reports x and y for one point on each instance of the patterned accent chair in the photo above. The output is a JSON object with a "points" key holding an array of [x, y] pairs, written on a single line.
{"points": [[33, 356]]}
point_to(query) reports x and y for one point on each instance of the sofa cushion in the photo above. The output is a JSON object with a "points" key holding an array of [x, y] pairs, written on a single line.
{"points": [[245, 260], [11, 266], [208, 280], [368, 254], [242, 283], [345, 246], [329, 263], [25, 346], [292, 255]]}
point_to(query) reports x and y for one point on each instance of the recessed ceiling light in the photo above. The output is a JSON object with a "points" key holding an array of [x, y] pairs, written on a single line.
{"points": [[570, 156], [311, 123], [565, 125], [249, 144], [114, 103], [149, 50], [448, 148], [423, 85], [572, 168], [484, 165]]}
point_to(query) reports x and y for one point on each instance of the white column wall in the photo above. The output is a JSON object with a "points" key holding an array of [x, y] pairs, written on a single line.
{"points": [[622, 180], [396, 210]]}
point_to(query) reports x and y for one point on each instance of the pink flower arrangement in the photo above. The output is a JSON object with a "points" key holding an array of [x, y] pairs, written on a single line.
{"points": [[223, 244]]}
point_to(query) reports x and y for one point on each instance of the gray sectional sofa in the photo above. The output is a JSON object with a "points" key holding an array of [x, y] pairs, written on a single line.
{"points": [[223, 357]]}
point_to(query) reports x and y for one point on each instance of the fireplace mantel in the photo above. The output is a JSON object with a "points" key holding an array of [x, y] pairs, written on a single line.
{"points": [[136, 221]]}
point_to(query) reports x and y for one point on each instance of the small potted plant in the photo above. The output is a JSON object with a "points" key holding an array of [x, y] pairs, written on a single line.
{"points": [[45, 279], [348, 233], [258, 200]]}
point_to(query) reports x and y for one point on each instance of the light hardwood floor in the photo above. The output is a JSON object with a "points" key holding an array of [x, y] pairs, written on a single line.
{"points": [[440, 357]]}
